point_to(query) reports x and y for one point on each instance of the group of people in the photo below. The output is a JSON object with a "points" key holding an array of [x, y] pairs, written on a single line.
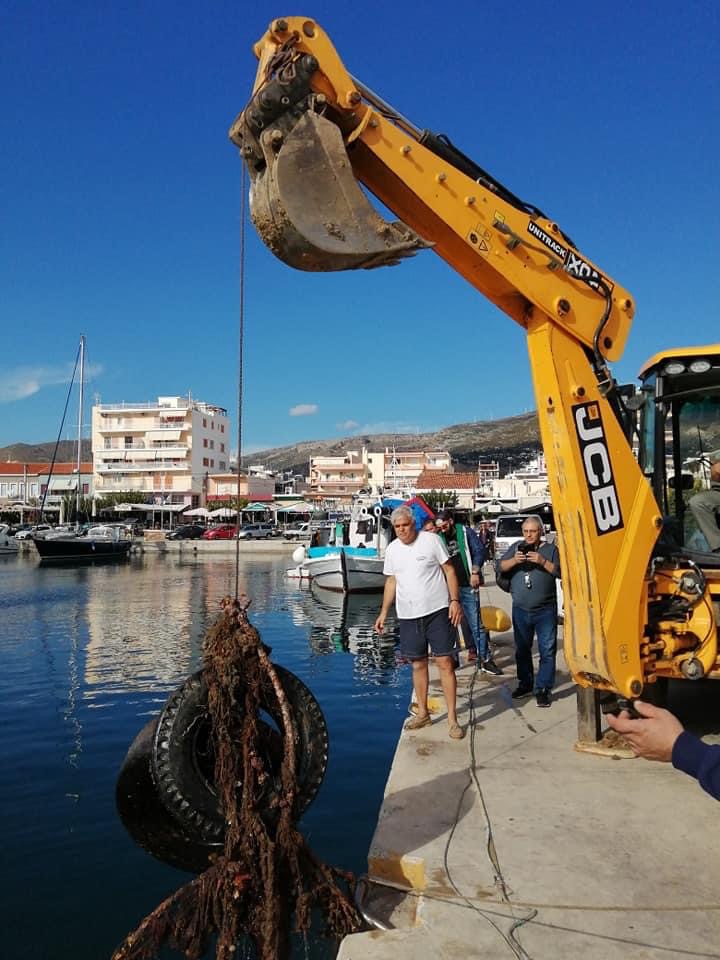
{"points": [[433, 576]]}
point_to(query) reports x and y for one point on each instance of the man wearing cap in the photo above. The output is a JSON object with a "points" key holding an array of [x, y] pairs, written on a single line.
{"points": [[705, 505], [467, 553]]}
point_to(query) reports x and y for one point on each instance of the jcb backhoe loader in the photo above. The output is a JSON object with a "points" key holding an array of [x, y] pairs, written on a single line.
{"points": [[640, 604]]}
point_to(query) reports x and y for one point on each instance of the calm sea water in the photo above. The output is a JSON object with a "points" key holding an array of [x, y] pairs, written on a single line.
{"points": [[88, 656]]}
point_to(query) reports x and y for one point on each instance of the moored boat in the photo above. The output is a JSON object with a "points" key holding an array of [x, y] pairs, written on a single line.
{"points": [[102, 542], [8, 544]]}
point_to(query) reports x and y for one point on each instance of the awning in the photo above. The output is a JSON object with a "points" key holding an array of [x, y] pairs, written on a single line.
{"points": [[222, 512], [196, 512], [301, 507], [256, 508], [157, 435]]}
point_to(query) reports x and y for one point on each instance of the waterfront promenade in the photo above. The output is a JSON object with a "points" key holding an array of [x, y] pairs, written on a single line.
{"points": [[511, 843]]}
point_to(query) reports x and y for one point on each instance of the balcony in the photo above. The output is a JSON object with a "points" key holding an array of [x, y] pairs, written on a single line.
{"points": [[151, 466]]}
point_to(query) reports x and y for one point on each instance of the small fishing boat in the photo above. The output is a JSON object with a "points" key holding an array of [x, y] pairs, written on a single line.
{"points": [[354, 563]]}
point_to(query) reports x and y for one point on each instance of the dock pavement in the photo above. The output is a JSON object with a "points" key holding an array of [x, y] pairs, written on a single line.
{"points": [[511, 843]]}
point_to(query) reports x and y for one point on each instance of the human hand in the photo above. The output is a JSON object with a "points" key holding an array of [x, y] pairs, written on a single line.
{"points": [[474, 580], [520, 556], [653, 735], [534, 556], [455, 612], [379, 625]]}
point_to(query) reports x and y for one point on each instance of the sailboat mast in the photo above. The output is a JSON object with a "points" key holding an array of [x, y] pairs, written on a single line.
{"points": [[80, 420]]}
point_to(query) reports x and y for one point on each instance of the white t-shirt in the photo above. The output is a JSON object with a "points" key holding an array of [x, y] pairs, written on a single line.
{"points": [[420, 583]]}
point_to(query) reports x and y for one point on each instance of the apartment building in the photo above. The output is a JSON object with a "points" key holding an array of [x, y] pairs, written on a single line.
{"points": [[334, 480], [166, 449]]}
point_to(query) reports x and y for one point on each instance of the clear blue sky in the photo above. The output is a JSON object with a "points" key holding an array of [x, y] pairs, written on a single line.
{"points": [[120, 199]]}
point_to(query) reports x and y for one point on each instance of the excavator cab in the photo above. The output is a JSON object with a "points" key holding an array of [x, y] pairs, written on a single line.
{"points": [[679, 438]]}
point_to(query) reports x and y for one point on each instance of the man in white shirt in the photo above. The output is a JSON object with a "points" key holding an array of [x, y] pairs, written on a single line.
{"points": [[419, 575]]}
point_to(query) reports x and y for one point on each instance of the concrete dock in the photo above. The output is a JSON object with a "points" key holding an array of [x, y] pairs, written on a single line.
{"points": [[511, 843]]}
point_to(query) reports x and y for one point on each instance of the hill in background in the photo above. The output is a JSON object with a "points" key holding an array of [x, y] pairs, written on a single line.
{"points": [[511, 441], [43, 452]]}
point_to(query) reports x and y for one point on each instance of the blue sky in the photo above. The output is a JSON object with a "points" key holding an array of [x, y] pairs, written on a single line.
{"points": [[120, 201]]}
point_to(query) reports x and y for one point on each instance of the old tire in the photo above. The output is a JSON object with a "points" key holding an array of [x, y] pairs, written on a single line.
{"points": [[146, 819], [182, 761]]}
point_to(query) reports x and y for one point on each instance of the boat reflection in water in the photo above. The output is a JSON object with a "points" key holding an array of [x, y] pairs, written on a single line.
{"points": [[343, 623]]}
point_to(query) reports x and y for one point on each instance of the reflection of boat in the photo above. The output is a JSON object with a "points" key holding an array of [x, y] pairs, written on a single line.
{"points": [[103, 542], [8, 544], [344, 623]]}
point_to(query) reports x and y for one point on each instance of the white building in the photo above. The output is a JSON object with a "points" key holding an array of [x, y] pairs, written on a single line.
{"points": [[165, 449], [334, 480]]}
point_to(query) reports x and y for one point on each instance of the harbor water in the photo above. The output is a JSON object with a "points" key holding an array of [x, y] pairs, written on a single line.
{"points": [[89, 654]]}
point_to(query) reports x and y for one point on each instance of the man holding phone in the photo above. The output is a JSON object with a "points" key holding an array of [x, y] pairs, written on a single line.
{"points": [[533, 567]]}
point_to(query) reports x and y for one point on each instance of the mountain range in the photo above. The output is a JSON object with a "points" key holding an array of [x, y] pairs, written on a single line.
{"points": [[511, 441]]}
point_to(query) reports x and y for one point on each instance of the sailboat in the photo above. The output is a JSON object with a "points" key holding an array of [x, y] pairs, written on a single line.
{"points": [[101, 542]]}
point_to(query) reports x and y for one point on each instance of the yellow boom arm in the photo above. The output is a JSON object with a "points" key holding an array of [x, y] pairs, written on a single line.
{"points": [[308, 134]]}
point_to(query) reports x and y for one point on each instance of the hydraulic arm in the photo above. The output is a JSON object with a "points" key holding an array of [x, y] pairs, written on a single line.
{"points": [[309, 135]]}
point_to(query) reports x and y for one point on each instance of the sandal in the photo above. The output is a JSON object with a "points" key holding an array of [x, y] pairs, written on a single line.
{"points": [[456, 732], [416, 723]]}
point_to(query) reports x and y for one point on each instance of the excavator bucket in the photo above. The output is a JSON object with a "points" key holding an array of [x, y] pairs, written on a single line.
{"points": [[309, 209]]}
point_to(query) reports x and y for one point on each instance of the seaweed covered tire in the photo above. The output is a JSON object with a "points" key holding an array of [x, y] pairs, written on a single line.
{"points": [[146, 819], [182, 758]]}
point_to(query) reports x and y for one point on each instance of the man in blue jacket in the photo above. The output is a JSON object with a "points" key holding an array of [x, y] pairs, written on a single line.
{"points": [[658, 735], [467, 554]]}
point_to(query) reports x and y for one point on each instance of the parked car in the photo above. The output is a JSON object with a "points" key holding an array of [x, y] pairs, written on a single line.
{"points": [[224, 531], [38, 528], [188, 531], [300, 531], [255, 531]]}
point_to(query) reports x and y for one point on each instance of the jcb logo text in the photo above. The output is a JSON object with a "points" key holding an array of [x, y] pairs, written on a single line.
{"points": [[598, 468]]}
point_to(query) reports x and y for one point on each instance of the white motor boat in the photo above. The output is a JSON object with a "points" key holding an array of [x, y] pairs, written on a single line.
{"points": [[8, 544]]}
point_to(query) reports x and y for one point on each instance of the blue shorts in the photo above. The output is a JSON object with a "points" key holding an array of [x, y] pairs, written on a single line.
{"points": [[434, 631]]}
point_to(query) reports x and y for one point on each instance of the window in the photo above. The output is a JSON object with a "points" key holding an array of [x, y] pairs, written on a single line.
{"points": [[222, 428], [212, 444], [204, 422], [222, 448], [13, 489], [85, 489], [205, 461], [222, 465], [205, 443], [212, 463], [212, 424], [3, 489]]}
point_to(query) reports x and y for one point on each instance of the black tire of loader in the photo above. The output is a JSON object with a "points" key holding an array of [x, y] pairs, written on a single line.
{"points": [[182, 767]]}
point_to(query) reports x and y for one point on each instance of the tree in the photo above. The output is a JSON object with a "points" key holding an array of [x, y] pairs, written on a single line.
{"points": [[440, 499], [230, 503]]}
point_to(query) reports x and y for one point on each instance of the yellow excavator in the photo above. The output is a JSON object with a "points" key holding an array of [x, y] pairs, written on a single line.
{"points": [[641, 585]]}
